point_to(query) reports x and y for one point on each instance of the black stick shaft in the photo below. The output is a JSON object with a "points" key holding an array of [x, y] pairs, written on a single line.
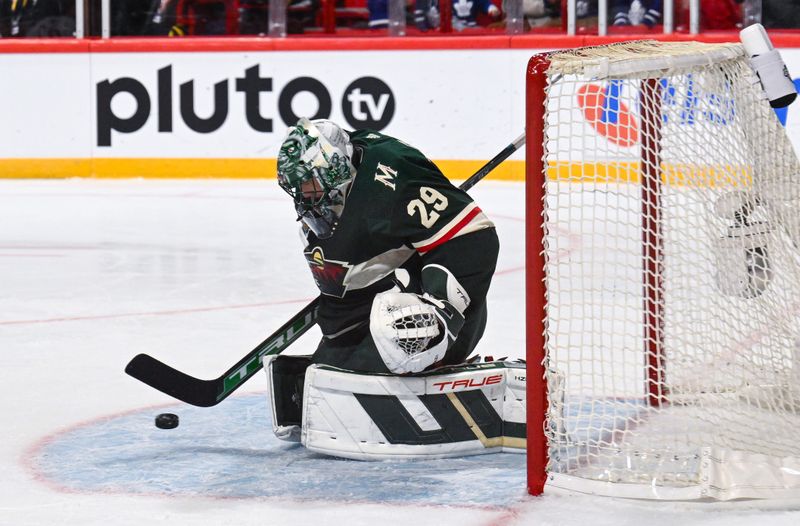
{"points": [[493, 163]]}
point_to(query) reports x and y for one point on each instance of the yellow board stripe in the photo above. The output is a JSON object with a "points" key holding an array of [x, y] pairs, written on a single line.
{"points": [[44, 168], [129, 168], [512, 170], [125, 168], [672, 174]]}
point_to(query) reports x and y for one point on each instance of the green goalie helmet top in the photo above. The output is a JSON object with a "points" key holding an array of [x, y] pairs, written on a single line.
{"points": [[315, 168]]}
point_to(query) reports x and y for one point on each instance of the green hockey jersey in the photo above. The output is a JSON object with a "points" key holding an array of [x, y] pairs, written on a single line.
{"points": [[400, 210]]}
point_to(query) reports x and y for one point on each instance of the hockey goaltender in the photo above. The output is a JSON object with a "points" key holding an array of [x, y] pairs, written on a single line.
{"points": [[403, 260]]}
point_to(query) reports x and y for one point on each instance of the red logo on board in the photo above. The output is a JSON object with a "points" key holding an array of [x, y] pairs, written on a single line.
{"points": [[607, 114]]}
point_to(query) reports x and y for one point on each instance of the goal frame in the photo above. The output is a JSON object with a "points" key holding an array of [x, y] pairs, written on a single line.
{"points": [[670, 341], [535, 277]]}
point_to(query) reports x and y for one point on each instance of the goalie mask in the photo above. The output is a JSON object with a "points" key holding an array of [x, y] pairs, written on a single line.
{"points": [[314, 167]]}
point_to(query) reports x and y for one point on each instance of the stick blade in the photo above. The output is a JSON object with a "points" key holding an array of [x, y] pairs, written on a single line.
{"points": [[158, 375]]}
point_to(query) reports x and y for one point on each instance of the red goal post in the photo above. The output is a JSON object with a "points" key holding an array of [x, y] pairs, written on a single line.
{"points": [[662, 275], [535, 290]]}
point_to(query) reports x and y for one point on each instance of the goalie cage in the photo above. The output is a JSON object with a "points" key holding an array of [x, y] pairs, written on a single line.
{"points": [[662, 276]]}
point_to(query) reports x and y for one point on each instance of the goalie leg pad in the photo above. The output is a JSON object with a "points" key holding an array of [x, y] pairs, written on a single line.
{"points": [[454, 411]]}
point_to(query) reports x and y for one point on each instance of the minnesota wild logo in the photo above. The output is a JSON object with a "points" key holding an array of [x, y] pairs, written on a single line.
{"points": [[330, 275]]}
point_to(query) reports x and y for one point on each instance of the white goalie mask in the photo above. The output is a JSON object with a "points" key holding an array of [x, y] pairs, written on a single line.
{"points": [[315, 168]]}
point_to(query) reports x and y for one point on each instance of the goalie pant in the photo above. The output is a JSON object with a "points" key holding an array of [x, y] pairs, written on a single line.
{"points": [[453, 411]]}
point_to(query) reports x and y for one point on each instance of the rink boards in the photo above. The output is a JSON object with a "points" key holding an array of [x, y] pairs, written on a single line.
{"points": [[219, 109]]}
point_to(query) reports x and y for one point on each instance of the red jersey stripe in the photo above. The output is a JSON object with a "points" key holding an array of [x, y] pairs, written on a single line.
{"points": [[452, 232]]}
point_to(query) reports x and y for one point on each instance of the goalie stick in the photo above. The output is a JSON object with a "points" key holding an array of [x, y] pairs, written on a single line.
{"points": [[207, 393]]}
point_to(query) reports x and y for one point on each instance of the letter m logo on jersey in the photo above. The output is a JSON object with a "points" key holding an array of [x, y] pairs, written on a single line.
{"points": [[329, 275]]}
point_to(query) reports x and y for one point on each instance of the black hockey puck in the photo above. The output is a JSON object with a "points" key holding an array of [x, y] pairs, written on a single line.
{"points": [[167, 421]]}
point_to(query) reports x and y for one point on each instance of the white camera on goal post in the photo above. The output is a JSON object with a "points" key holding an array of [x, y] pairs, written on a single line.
{"points": [[769, 66]]}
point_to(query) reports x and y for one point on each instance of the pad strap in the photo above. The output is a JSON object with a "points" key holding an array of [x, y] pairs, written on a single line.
{"points": [[285, 379]]}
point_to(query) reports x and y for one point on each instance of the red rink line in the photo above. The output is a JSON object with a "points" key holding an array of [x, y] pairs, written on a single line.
{"points": [[153, 313], [184, 311], [503, 216], [509, 270], [509, 516]]}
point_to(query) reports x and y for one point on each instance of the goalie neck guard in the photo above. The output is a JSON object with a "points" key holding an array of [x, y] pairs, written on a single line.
{"points": [[315, 168]]}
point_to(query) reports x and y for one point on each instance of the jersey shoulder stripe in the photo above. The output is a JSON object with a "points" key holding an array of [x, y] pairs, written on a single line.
{"points": [[470, 219]]}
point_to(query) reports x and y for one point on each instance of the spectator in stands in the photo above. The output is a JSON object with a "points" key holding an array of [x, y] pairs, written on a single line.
{"points": [[5, 18], [378, 14], [714, 14], [585, 14], [636, 12], [190, 17], [161, 17], [254, 16], [32, 18], [426, 14], [301, 14], [721, 14], [465, 12], [781, 14], [205, 17], [539, 13], [220, 17], [131, 17]]}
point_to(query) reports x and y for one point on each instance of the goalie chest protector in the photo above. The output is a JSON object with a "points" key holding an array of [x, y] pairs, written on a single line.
{"points": [[453, 411], [398, 201]]}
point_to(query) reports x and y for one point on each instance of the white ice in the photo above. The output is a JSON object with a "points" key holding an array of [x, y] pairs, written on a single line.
{"points": [[196, 273]]}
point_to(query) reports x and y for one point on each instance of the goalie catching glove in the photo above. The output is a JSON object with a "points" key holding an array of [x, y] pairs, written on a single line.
{"points": [[412, 331]]}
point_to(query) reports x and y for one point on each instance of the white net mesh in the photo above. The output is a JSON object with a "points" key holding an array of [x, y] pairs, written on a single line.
{"points": [[672, 223]]}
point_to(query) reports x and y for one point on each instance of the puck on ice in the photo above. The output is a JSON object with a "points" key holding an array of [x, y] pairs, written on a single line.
{"points": [[167, 421]]}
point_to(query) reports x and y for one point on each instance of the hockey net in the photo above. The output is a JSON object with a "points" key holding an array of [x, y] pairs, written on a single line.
{"points": [[663, 275]]}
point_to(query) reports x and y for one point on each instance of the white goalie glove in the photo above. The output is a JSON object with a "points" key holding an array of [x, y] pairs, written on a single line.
{"points": [[413, 332]]}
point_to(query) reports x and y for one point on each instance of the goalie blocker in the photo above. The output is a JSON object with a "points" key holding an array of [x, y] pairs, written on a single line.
{"points": [[453, 411]]}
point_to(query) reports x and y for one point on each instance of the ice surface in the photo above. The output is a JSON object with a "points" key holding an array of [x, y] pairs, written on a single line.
{"points": [[196, 273]]}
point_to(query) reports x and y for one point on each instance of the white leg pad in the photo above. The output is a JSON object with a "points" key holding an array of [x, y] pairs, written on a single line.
{"points": [[456, 411]]}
